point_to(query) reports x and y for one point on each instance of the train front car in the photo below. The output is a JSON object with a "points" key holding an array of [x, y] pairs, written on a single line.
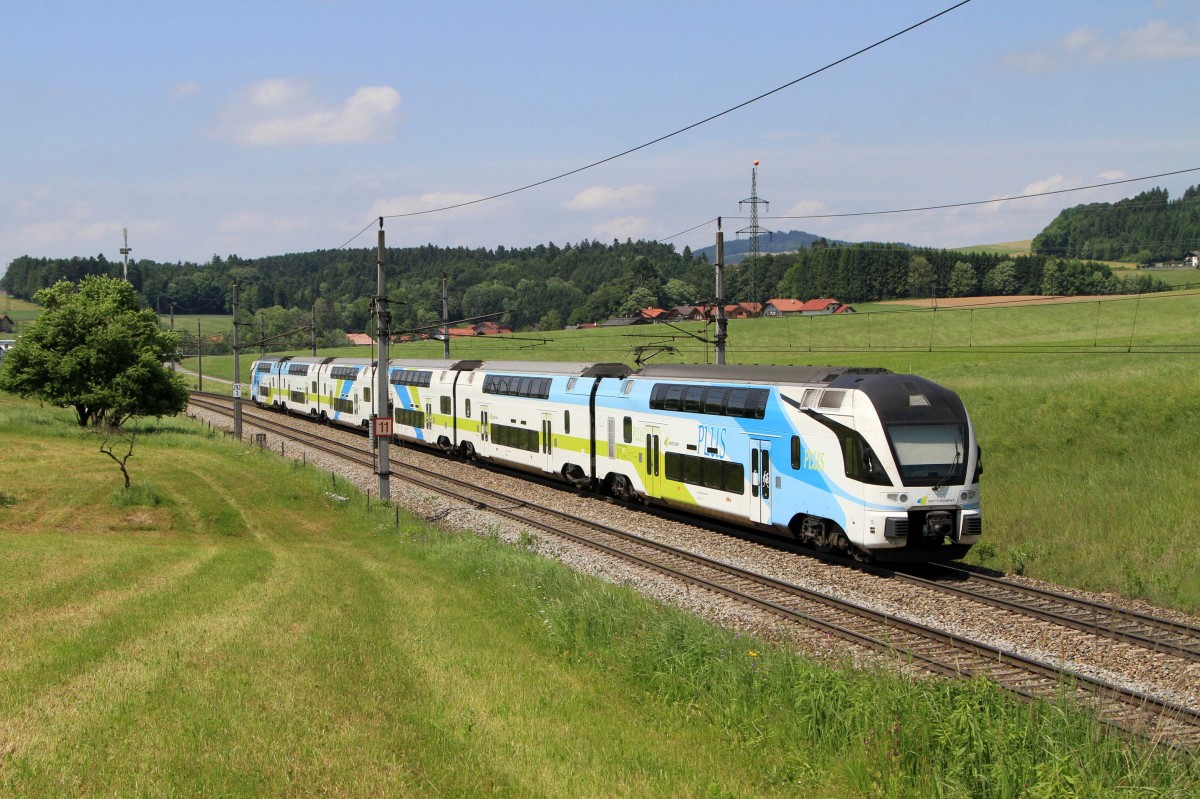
{"points": [[898, 457]]}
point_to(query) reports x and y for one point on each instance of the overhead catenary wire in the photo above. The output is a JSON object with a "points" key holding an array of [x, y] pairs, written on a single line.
{"points": [[672, 134], [985, 202], [948, 206]]}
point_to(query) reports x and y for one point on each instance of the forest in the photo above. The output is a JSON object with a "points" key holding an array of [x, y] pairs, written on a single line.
{"points": [[1149, 228], [547, 287]]}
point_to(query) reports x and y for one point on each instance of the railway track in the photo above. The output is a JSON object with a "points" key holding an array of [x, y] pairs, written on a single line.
{"points": [[1108, 621], [934, 650]]}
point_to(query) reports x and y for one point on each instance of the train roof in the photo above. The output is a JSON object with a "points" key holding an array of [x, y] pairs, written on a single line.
{"points": [[577, 369], [434, 363], [752, 373]]}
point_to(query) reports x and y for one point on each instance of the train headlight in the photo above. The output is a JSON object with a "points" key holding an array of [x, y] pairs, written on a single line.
{"points": [[967, 496], [901, 498]]}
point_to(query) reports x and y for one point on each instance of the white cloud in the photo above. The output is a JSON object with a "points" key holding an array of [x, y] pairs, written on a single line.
{"points": [[623, 227], [1154, 41], [185, 89], [283, 111], [605, 197], [807, 208]]}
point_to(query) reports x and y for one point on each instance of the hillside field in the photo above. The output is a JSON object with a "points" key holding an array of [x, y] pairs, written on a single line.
{"points": [[241, 625], [1088, 414]]}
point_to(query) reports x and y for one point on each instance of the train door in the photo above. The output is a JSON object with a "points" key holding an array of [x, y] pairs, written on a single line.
{"points": [[485, 433], [428, 415], [760, 480], [653, 456], [547, 442]]}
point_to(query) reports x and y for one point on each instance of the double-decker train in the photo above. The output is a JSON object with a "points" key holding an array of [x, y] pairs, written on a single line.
{"points": [[859, 461]]}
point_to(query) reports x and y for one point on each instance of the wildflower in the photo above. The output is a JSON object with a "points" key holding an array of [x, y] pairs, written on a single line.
{"points": [[752, 653]]}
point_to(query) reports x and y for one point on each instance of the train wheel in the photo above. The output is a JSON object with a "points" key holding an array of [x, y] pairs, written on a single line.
{"points": [[467, 451]]}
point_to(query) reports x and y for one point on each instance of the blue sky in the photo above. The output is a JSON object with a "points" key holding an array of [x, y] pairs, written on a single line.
{"points": [[259, 128]]}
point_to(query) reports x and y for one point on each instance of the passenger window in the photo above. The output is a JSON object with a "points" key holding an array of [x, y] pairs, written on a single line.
{"points": [[796, 452], [566, 422], [366, 394], [628, 430], [693, 400], [714, 398], [446, 406], [737, 401], [467, 408], [674, 398]]}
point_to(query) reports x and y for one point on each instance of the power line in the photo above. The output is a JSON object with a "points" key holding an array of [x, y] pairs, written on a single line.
{"points": [[652, 142], [1108, 206], [985, 202]]}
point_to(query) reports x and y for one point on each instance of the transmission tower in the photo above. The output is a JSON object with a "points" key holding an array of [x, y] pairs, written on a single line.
{"points": [[754, 231]]}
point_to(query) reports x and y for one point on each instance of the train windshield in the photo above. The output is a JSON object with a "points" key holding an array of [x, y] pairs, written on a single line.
{"points": [[930, 454]]}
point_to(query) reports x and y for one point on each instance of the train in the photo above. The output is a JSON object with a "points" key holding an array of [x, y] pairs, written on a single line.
{"points": [[861, 462]]}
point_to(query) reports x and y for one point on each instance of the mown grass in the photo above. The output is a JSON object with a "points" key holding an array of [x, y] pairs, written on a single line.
{"points": [[1088, 415], [244, 627]]}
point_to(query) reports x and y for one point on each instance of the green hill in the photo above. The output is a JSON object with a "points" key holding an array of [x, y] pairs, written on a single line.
{"points": [[1147, 228]]}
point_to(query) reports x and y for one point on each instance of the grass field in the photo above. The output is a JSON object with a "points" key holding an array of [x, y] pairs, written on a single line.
{"points": [[239, 625], [1088, 414], [1004, 248]]}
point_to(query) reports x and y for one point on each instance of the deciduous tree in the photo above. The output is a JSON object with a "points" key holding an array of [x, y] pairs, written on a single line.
{"points": [[94, 349]]}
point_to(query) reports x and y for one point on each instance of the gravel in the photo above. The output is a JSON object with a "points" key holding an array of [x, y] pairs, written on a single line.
{"points": [[1164, 676]]}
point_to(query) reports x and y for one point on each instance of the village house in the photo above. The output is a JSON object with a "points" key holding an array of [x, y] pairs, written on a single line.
{"points": [[7, 325], [819, 306]]}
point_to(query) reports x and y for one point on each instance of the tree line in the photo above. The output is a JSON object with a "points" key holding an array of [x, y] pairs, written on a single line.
{"points": [[548, 286], [1148, 228]]}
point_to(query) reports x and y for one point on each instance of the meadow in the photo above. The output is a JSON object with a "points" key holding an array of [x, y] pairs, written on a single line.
{"points": [[1088, 413], [241, 625]]}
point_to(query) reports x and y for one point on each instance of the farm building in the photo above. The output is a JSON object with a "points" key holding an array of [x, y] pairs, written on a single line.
{"points": [[7, 325]]}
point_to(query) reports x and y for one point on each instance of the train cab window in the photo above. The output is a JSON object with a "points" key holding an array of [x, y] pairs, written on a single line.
{"points": [[467, 408], [366, 395], [567, 422], [445, 406], [627, 430]]}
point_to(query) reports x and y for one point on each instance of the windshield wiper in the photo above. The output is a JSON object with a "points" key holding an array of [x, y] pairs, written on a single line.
{"points": [[950, 471]]}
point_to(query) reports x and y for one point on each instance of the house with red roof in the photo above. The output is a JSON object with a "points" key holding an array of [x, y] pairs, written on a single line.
{"points": [[818, 306], [654, 314]]}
